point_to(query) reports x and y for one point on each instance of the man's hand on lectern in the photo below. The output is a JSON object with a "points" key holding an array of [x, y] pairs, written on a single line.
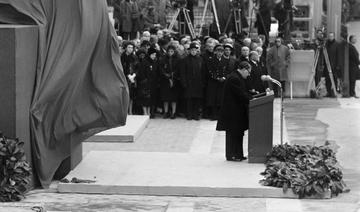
{"points": [[269, 92]]}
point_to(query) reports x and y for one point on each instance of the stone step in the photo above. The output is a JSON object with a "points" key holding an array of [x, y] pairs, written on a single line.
{"points": [[135, 125], [169, 174]]}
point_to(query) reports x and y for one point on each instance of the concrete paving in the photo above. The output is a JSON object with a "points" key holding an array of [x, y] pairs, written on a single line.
{"points": [[160, 173], [308, 121], [179, 174]]}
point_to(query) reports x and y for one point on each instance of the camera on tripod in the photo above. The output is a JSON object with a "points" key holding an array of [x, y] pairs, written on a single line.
{"points": [[178, 3], [235, 4], [320, 40]]}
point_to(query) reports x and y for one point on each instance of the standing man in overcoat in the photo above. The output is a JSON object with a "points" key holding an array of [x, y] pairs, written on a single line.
{"points": [[332, 50], [215, 84], [354, 63], [234, 112], [127, 13], [278, 61], [192, 81]]}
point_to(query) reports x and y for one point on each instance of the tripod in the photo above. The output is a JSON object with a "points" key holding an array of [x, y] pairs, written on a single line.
{"points": [[215, 15], [236, 12], [256, 9], [313, 90], [182, 24]]}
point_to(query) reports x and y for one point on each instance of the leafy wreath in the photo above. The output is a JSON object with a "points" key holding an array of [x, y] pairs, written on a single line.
{"points": [[14, 170], [307, 170]]}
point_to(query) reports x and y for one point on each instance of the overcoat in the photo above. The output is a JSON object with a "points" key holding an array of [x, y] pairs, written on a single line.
{"points": [[206, 57], [169, 78], [191, 76], [129, 16], [278, 61], [230, 64], [214, 90], [354, 72], [148, 82], [129, 63], [255, 77], [234, 112], [125, 20], [332, 50]]}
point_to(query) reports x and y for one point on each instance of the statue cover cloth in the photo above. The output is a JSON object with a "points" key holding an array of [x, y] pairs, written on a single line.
{"points": [[80, 88]]}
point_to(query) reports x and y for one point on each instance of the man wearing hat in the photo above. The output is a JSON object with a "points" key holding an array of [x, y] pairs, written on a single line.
{"points": [[192, 81], [234, 113], [217, 75], [207, 55]]}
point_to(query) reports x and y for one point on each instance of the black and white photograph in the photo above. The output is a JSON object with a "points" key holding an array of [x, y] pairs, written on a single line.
{"points": [[179, 105]]}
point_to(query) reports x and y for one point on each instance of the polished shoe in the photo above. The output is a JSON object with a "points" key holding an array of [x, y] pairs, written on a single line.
{"points": [[233, 159], [166, 115], [241, 158], [173, 116]]}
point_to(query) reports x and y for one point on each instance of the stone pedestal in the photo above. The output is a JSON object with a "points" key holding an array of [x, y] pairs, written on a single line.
{"points": [[18, 62], [18, 58]]}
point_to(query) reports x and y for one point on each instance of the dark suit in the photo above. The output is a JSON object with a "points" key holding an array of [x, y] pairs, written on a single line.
{"points": [[191, 77], [214, 90], [354, 63], [234, 114], [255, 77]]}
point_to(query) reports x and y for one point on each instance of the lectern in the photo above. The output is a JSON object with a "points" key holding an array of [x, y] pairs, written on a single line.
{"points": [[260, 128]]}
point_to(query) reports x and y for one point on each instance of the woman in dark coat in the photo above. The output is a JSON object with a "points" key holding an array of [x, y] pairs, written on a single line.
{"points": [[234, 112], [128, 61], [192, 81], [354, 63], [169, 81], [147, 79]]}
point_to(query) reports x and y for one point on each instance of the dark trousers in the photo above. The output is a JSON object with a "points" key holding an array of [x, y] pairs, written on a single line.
{"points": [[328, 83], [193, 108], [214, 112], [352, 87], [234, 144], [128, 35]]}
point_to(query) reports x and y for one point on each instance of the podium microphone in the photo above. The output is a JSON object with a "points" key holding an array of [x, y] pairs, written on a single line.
{"points": [[268, 78]]}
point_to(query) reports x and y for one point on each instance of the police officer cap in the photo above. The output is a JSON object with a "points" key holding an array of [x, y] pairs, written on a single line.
{"points": [[228, 45], [219, 46], [193, 45]]}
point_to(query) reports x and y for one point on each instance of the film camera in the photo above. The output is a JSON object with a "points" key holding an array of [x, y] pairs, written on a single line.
{"points": [[178, 3], [320, 40], [235, 4]]}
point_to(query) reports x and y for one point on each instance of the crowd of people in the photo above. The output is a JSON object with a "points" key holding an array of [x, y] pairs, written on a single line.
{"points": [[179, 76]]}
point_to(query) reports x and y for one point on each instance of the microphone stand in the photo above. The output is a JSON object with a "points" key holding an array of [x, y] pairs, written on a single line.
{"points": [[282, 108]]}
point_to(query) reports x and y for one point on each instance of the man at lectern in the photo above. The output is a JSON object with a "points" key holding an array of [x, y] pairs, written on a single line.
{"points": [[234, 112]]}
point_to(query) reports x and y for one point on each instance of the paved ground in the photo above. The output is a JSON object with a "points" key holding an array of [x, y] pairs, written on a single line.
{"points": [[308, 121]]}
